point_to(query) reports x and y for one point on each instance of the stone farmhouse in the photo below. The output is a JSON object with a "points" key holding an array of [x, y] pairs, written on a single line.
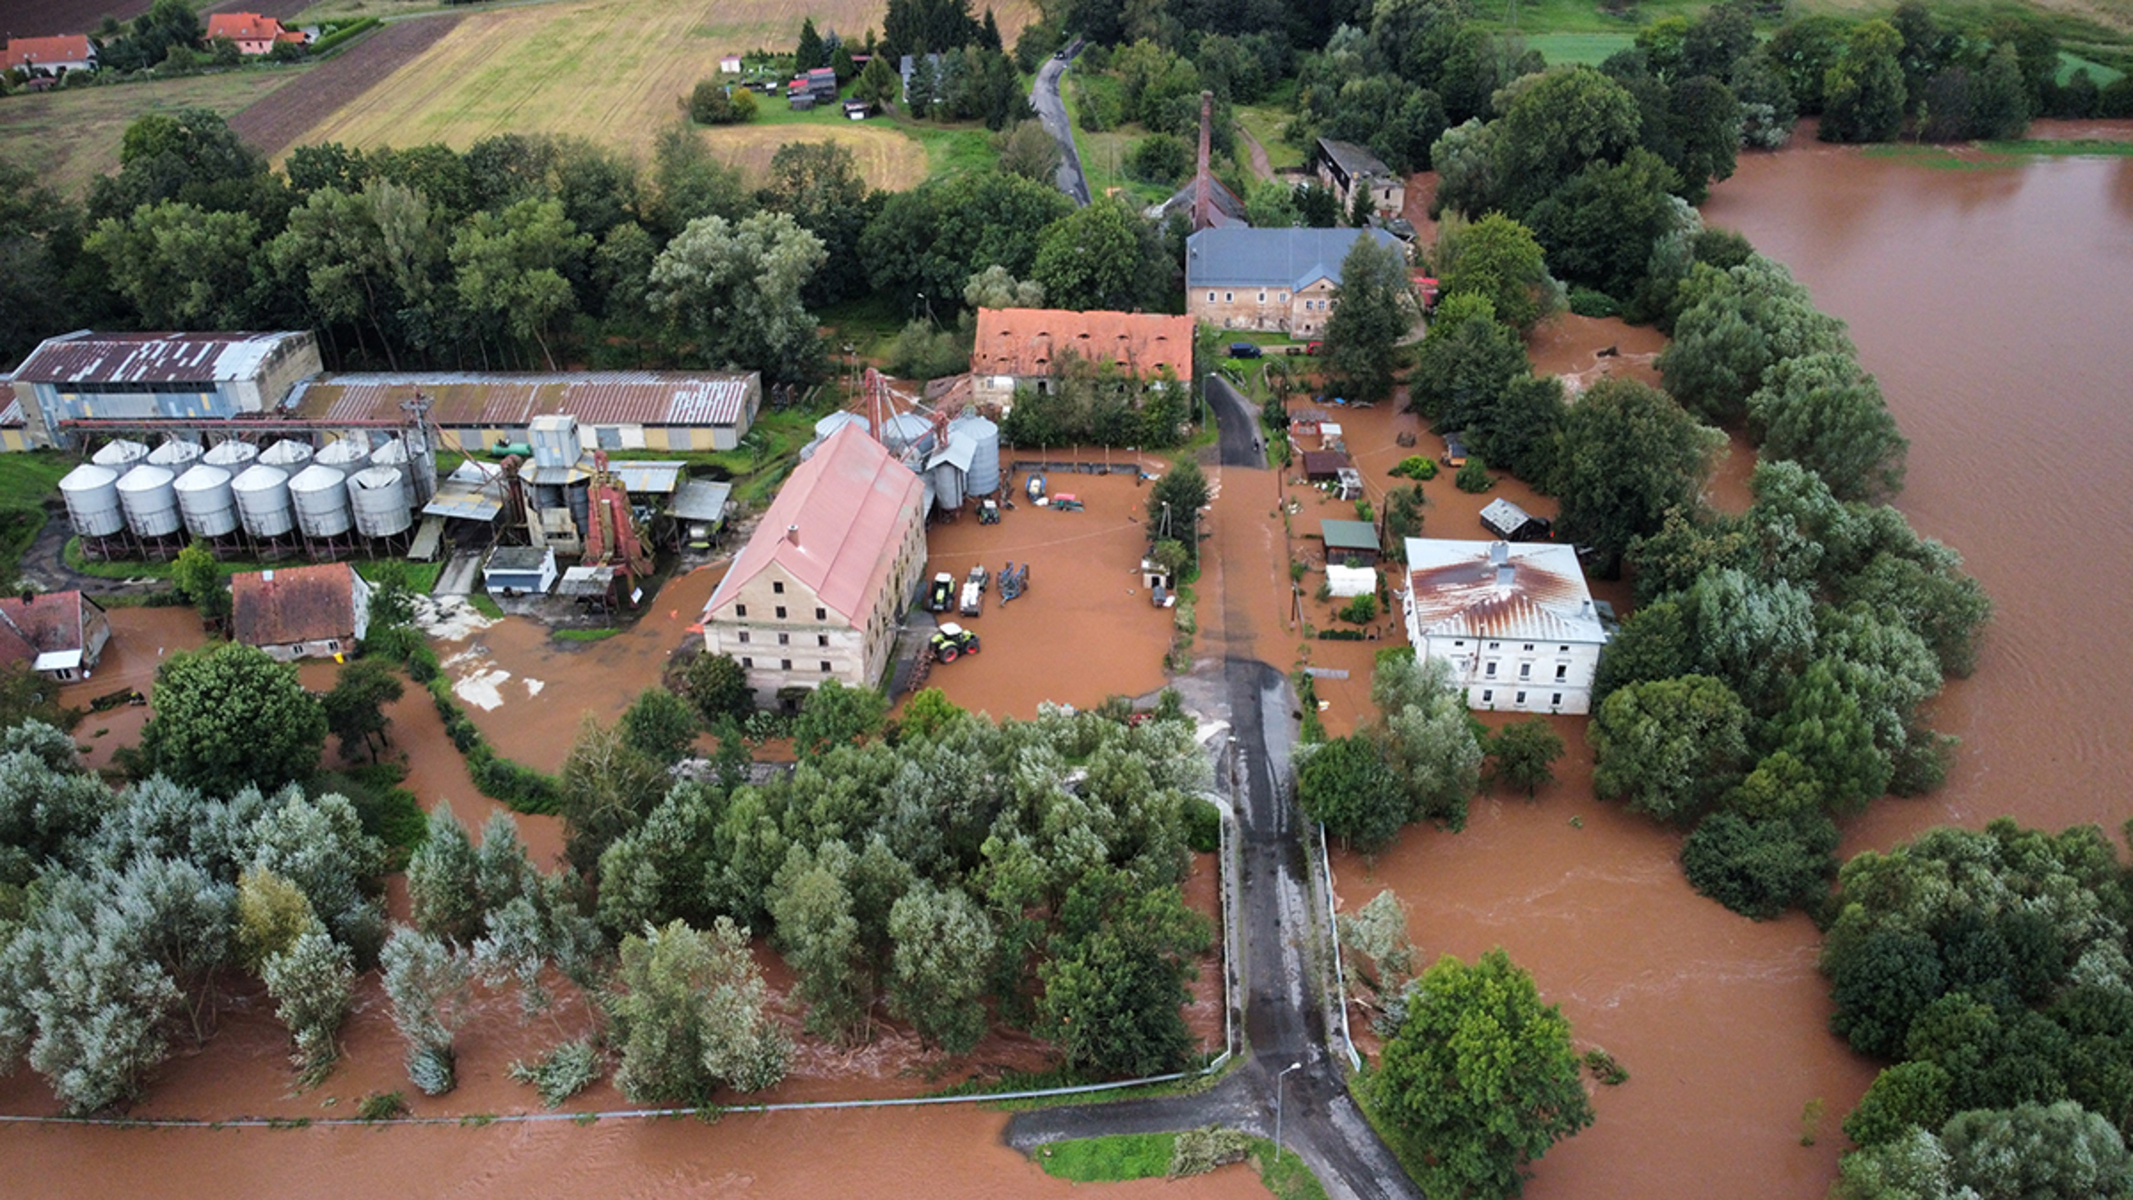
{"points": [[1516, 622], [819, 591], [1273, 280]]}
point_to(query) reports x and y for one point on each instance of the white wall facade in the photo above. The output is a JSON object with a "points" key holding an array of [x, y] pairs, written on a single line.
{"points": [[1514, 676]]}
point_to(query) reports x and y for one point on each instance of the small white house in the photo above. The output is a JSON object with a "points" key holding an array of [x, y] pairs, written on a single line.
{"points": [[1515, 621], [729, 64]]}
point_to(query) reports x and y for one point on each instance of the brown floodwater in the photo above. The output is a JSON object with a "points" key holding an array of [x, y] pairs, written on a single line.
{"points": [[1995, 306], [1992, 305]]}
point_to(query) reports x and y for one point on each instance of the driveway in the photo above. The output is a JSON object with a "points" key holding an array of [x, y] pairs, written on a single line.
{"points": [[1051, 110]]}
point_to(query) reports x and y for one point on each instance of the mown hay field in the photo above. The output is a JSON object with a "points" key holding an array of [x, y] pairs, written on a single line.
{"points": [[613, 71], [72, 136]]}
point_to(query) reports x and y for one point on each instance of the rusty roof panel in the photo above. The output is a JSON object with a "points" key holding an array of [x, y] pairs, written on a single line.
{"points": [[1535, 592], [1031, 341], [90, 358], [594, 398]]}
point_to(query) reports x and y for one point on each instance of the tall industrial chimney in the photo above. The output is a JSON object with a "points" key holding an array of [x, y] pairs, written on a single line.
{"points": [[1203, 192]]}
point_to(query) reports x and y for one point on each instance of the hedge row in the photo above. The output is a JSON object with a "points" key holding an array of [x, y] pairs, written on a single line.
{"points": [[523, 788]]}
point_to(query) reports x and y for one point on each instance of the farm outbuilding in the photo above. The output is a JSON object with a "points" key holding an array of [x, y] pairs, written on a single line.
{"points": [[614, 410], [519, 571], [158, 376], [1512, 523], [1325, 465], [59, 635], [1345, 540], [300, 612], [1018, 347]]}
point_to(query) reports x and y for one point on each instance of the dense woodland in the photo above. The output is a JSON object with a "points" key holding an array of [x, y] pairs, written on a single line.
{"points": [[942, 869]]}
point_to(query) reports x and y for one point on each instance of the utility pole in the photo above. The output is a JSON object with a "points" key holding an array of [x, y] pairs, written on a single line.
{"points": [[1277, 1106]]}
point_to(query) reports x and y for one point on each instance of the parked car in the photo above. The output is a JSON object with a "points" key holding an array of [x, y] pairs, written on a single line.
{"points": [[1315, 348], [1243, 350]]}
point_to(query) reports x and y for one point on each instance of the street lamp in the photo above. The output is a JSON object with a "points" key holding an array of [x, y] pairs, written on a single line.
{"points": [[1277, 1107]]}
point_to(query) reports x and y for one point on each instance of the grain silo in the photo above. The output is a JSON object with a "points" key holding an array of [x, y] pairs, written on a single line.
{"points": [[288, 454], [120, 455], [262, 494], [150, 502], [346, 455], [233, 455], [206, 502], [176, 454], [379, 497], [983, 478], [91, 493], [320, 497]]}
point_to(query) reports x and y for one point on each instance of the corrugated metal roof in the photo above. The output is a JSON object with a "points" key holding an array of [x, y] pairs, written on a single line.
{"points": [[1031, 341], [1348, 535], [647, 478], [594, 397], [701, 500], [86, 357], [1237, 257], [1536, 593], [586, 581], [469, 494], [849, 503], [11, 416], [1353, 159]]}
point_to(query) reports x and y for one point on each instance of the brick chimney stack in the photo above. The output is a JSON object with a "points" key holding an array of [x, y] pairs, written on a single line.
{"points": [[1203, 182]]}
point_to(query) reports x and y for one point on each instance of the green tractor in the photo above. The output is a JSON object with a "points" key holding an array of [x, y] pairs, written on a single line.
{"points": [[952, 641]]}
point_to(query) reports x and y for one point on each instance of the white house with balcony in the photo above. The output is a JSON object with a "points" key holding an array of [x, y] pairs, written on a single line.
{"points": [[1515, 621]]}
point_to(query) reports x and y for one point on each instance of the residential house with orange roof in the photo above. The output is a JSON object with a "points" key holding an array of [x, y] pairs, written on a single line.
{"points": [[1029, 347], [819, 591], [59, 635], [1515, 622], [253, 33], [49, 56]]}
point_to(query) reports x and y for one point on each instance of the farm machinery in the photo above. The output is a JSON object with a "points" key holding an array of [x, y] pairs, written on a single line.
{"points": [[941, 595], [973, 602], [1013, 582], [951, 641]]}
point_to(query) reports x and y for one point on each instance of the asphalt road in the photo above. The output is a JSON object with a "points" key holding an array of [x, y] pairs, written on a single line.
{"points": [[1051, 110], [1283, 1022]]}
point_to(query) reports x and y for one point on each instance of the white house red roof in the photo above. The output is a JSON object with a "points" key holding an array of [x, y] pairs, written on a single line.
{"points": [[41, 51], [833, 527], [1032, 341], [242, 27]]}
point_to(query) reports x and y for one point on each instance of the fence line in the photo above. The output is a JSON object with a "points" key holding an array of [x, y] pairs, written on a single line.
{"points": [[1333, 930]]}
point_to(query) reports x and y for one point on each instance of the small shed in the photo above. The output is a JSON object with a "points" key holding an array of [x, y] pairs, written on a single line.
{"points": [[1304, 422], [1349, 539], [729, 64], [1324, 465], [1349, 483], [519, 570], [1454, 450], [857, 110], [1514, 524]]}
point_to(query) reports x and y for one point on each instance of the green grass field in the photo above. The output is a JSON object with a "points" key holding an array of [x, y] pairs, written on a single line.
{"points": [[1128, 1156], [27, 481], [73, 136], [1592, 49], [1265, 122]]}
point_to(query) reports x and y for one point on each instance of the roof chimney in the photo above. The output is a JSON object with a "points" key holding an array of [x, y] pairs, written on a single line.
{"points": [[1499, 552], [792, 534], [1202, 183]]}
